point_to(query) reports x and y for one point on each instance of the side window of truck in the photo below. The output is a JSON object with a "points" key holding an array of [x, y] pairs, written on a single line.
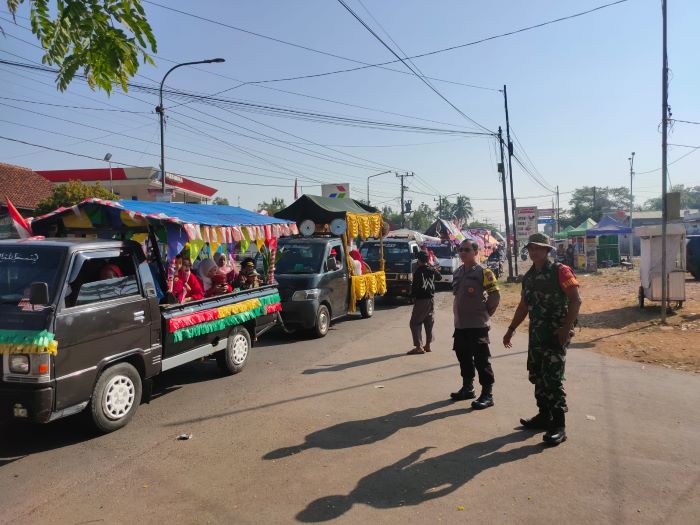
{"points": [[101, 278]]}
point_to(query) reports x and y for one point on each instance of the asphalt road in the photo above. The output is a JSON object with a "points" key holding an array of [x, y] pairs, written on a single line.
{"points": [[349, 429]]}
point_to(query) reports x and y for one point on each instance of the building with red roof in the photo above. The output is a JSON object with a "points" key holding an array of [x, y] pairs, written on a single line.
{"points": [[24, 188]]}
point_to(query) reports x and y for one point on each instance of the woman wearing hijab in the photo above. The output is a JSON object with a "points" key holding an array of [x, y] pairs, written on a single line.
{"points": [[358, 264], [187, 287], [110, 271], [225, 268], [207, 269]]}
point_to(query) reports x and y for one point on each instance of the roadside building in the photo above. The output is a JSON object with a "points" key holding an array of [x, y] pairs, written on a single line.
{"points": [[24, 188], [138, 184]]}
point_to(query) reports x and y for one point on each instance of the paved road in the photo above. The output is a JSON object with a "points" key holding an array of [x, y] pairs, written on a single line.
{"points": [[348, 428]]}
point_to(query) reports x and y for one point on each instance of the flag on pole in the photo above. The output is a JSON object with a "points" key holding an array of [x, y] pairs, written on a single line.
{"points": [[21, 225], [296, 190]]}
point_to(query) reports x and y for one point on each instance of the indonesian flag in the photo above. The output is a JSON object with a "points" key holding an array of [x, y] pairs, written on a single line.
{"points": [[21, 225], [296, 190]]}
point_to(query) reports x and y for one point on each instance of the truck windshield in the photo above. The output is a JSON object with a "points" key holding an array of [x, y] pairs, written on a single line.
{"points": [[20, 266], [297, 258], [393, 251], [443, 251]]}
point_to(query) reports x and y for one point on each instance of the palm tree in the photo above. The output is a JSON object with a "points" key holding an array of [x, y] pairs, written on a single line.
{"points": [[462, 210]]}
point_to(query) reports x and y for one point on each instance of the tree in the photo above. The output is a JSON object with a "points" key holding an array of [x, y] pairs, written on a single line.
{"points": [[273, 206], [422, 217], [390, 216], [594, 202], [444, 209], [220, 201], [690, 198], [105, 38], [72, 193], [462, 209]]}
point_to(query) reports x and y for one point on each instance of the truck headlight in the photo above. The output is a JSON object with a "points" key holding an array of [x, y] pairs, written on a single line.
{"points": [[306, 295], [19, 363]]}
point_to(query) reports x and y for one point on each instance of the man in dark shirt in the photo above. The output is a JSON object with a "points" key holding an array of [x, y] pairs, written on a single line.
{"points": [[423, 292]]}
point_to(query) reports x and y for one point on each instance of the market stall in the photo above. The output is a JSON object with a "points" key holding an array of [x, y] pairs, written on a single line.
{"points": [[608, 232], [585, 247]]}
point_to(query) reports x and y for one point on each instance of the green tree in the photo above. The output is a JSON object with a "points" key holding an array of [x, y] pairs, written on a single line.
{"points": [[72, 193], [462, 210], [690, 198], [594, 202], [272, 207], [391, 216], [445, 209], [422, 217], [220, 201], [105, 38]]}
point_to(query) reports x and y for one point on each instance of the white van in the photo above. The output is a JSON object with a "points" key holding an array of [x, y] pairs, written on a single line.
{"points": [[448, 258]]}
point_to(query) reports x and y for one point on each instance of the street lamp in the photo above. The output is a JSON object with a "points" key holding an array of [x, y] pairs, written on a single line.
{"points": [[631, 235], [161, 111], [375, 175], [108, 159]]}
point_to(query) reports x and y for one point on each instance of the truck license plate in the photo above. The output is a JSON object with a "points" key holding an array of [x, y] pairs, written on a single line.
{"points": [[20, 411]]}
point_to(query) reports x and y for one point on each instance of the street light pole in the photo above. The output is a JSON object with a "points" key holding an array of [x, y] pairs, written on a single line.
{"points": [[375, 175], [161, 111], [108, 158], [631, 235]]}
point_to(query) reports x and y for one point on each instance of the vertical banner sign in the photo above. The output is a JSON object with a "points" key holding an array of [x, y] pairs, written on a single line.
{"points": [[525, 223], [336, 191]]}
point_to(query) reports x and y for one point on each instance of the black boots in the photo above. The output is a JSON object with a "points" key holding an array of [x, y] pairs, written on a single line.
{"points": [[540, 422], [556, 432], [464, 393], [485, 399]]}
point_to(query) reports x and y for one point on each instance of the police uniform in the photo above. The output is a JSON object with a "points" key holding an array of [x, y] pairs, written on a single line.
{"points": [[476, 298]]}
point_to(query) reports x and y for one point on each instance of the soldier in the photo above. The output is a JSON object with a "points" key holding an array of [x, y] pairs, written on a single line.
{"points": [[550, 295], [476, 298]]}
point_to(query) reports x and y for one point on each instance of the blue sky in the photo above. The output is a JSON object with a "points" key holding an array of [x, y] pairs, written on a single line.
{"points": [[583, 94]]}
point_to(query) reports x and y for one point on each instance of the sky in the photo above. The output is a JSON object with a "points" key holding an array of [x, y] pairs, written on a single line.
{"points": [[583, 94]]}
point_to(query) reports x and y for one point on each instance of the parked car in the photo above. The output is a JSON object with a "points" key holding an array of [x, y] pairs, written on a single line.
{"points": [[77, 338]]}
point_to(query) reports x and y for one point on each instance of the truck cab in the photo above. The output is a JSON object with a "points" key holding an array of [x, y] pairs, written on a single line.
{"points": [[448, 259], [401, 260], [314, 283]]}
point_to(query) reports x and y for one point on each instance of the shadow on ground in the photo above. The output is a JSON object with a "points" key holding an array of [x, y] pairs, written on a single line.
{"points": [[353, 364], [367, 431], [412, 481]]}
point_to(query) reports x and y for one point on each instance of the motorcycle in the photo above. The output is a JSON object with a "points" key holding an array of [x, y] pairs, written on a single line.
{"points": [[496, 266]]}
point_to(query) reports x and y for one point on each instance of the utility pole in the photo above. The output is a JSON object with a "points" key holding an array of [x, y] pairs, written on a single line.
{"points": [[402, 176], [502, 175], [557, 209], [631, 235], [510, 173], [664, 164]]}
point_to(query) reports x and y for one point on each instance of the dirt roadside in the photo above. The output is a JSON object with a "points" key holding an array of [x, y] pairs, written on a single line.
{"points": [[612, 323]]}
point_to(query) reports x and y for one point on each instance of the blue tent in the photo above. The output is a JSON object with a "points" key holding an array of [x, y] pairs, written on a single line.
{"points": [[608, 226]]}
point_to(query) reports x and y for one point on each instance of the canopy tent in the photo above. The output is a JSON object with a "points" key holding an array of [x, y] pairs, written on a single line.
{"points": [[608, 226], [445, 230], [582, 229], [405, 233], [562, 235], [322, 210]]}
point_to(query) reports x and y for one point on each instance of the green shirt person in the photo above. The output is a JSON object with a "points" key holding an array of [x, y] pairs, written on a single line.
{"points": [[550, 297]]}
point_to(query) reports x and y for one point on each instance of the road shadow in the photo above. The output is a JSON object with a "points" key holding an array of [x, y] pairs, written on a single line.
{"points": [[353, 364], [412, 481], [617, 317], [350, 434]]}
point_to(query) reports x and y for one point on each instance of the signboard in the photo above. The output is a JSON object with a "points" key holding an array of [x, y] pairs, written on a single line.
{"points": [[336, 191], [545, 212], [525, 223]]}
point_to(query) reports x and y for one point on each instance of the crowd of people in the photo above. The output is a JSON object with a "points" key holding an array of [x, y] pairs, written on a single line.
{"points": [[211, 277]]}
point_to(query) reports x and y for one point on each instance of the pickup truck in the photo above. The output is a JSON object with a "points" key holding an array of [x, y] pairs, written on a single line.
{"points": [[401, 259], [314, 283], [74, 338], [448, 259]]}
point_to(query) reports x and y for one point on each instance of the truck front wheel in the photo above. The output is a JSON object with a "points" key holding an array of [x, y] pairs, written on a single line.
{"points": [[234, 358], [367, 307], [323, 321], [116, 397]]}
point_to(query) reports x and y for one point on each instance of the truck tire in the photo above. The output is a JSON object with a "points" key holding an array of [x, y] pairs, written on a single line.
{"points": [[367, 307], [641, 297], [323, 321], [234, 358], [115, 398]]}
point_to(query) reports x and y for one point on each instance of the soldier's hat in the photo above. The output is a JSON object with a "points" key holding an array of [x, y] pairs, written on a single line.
{"points": [[539, 239]]}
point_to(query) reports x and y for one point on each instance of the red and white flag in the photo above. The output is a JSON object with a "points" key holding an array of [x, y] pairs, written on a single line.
{"points": [[296, 190], [21, 225]]}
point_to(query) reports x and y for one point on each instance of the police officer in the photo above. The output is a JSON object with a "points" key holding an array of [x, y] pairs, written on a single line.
{"points": [[550, 295], [476, 298]]}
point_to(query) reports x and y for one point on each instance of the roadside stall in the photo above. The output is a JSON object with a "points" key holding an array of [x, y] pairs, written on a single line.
{"points": [[608, 232], [651, 260], [561, 242], [584, 247], [349, 220]]}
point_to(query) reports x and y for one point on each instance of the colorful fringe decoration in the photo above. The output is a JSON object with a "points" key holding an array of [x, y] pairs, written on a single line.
{"points": [[215, 319], [364, 225], [368, 284], [27, 342]]}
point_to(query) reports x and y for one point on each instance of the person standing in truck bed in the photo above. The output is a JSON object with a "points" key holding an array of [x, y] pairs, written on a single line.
{"points": [[423, 292]]}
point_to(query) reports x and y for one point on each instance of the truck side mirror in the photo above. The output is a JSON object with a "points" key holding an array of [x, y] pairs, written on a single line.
{"points": [[39, 293]]}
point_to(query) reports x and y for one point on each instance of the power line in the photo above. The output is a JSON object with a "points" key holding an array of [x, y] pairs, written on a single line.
{"points": [[72, 107], [412, 69]]}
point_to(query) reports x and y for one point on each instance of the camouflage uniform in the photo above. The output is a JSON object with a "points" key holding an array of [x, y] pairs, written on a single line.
{"points": [[546, 357]]}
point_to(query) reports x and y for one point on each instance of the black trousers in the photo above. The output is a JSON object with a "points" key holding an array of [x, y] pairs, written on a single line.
{"points": [[472, 348]]}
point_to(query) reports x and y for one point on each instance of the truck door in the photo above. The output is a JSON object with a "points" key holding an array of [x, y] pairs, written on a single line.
{"points": [[337, 280], [103, 313]]}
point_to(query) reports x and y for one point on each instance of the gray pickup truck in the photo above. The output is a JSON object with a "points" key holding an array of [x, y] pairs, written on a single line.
{"points": [[76, 338]]}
